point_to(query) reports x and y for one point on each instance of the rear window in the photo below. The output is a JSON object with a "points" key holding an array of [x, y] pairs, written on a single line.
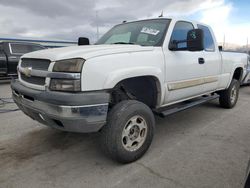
{"points": [[24, 48]]}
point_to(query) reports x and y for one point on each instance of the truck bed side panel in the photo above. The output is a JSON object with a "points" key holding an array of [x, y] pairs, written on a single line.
{"points": [[230, 61]]}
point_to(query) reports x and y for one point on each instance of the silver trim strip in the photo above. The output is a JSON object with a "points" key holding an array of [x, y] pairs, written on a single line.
{"points": [[42, 73], [90, 105], [191, 83]]}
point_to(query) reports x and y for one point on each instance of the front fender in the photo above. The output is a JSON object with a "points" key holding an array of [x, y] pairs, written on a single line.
{"points": [[118, 75], [105, 72]]}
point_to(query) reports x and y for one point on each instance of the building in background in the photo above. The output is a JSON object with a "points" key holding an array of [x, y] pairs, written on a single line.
{"points": [[46, 43]]}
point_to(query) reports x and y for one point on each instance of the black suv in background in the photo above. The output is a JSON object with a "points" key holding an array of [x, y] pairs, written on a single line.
{"points": [[10, 53]]}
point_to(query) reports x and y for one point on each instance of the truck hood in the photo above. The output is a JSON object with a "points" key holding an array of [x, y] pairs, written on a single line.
{"points": [[85, 52]]}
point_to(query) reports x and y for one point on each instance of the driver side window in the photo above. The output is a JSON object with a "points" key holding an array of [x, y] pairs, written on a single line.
{"points": [[180, 32]]}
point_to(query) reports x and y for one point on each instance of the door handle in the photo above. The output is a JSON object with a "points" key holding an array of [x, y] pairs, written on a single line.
{"points": [[201, 60]]}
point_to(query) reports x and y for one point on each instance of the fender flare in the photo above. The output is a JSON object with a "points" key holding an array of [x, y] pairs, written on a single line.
{"points": [[117, 76], [236, 66]]}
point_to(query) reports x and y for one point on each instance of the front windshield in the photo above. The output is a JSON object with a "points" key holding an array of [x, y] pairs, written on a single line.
{"points": [[144, 33]]}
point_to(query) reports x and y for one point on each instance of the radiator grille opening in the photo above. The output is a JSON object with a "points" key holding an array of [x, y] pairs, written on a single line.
{"points": [[34, 64], [34, 80], [37, 64]]}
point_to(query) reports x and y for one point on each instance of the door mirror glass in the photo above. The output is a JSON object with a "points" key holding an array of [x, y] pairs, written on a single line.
{"points": [[83, 41], [195, 40]]}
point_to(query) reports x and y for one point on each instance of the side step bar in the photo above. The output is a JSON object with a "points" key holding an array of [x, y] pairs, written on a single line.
{"points": [[163, 112]]}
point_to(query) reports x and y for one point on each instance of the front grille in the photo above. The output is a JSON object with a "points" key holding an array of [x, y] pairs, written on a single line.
{"points": [[38, 64], [35, 64], [33, 80]]}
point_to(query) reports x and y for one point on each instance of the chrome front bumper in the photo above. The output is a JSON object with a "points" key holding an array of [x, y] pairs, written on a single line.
{"points": [[83, 112]]}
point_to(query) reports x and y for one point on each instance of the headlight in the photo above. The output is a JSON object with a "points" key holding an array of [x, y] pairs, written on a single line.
{"points": [[69, 65], [65, 85]]}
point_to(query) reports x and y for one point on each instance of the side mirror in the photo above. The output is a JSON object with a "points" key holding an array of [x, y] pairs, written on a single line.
{"points": [[220, 48], [195, 40], [83, 41]]}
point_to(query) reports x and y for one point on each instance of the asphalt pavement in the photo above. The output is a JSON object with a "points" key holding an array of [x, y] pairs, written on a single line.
{"points": [[206, 146]]}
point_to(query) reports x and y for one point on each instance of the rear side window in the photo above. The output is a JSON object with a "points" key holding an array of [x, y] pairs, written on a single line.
{"points": [[180, 31], [17, 48], [208, 39]]}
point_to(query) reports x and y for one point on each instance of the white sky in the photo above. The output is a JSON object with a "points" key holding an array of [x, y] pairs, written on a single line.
{"points": [[68, 20], [218, 17]]}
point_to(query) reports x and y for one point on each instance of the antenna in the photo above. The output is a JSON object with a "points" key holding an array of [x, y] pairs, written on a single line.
{"points": [[224, 41], [247, 45], [161, 14], [97, 26]]}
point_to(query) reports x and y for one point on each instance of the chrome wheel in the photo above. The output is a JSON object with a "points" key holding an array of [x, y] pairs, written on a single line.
{"points": [[134, 133], [233, 95]]}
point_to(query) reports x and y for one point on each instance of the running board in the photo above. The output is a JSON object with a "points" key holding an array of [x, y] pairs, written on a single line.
{"points": [[163, 112]]}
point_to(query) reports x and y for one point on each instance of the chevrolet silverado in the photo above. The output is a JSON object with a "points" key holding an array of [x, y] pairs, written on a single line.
{"points": [[135, 71]]}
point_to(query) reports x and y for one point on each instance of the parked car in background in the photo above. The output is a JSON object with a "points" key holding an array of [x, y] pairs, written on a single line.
{"points": [[10, 53], [246, 76]]}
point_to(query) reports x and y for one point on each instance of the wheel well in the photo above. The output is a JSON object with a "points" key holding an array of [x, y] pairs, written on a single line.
{"points": [[144, 88], [238, 74]]}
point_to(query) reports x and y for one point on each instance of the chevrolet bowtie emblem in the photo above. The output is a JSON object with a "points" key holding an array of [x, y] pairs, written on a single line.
{"points": [[27, 71]]}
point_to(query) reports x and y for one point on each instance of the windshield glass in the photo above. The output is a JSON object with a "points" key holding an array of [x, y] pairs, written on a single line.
{"points": [[18, 48], [144, 33]]}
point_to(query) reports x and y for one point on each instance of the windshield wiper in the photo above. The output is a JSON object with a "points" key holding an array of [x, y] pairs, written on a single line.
{"points": [[123, 43]]}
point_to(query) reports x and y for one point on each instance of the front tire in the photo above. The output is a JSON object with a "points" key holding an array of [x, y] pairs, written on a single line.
{"points": [[129, 131], [229, 97]]}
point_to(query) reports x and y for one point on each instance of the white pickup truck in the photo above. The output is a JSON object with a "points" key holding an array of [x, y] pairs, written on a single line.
{"points": [[137, 69]]}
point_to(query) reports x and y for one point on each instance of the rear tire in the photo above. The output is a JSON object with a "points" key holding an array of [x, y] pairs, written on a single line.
{"points": [[129, 131], [229, 97]]}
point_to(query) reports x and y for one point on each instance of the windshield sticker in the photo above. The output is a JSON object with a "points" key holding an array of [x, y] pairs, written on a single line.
{"points": [[150, 31]]}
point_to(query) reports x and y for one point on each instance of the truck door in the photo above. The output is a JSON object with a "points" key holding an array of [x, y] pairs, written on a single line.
{"points": [[15, 52], [184, 69], [3, 62], [212, 60]]}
